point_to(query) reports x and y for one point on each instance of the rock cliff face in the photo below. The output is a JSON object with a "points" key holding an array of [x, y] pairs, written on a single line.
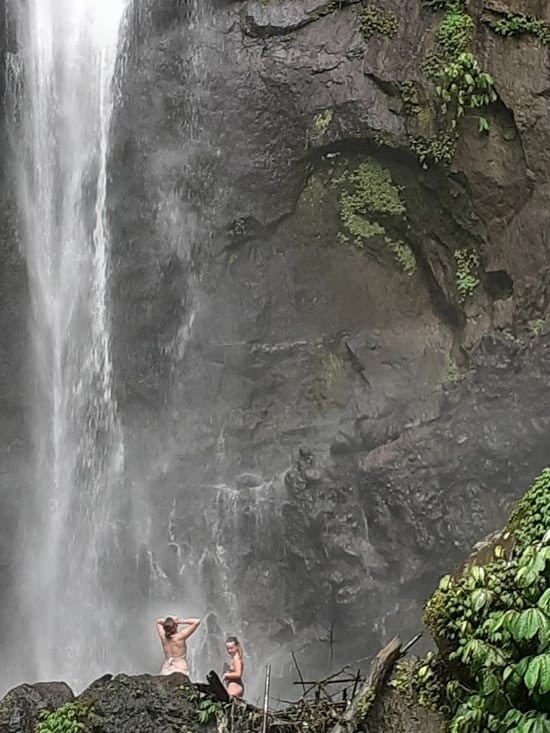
{"points": [[341, 410], [330, 339]]}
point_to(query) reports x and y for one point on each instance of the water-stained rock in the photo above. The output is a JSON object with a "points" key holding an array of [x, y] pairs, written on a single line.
{"points": [[140, 704], [20, 709]]}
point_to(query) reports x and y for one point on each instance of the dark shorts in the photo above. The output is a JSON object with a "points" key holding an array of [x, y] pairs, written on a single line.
{"points": [[237, 682]]}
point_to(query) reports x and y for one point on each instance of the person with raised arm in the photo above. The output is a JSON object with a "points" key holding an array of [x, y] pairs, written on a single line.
{"points": [[174, 642]]}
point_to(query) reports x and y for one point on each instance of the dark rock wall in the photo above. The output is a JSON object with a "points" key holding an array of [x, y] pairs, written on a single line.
{"points": [[260, 340]]}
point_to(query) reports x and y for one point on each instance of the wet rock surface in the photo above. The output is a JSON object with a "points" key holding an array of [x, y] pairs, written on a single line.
{"points": [[140, 704], [20, 708], [120, 704], [387, 423]]}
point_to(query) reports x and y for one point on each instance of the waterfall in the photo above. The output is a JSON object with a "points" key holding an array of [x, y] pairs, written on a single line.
{"points": [[62, 106]]}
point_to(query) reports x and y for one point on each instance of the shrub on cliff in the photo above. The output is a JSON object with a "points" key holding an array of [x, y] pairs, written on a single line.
{"points": [[491, 622]]}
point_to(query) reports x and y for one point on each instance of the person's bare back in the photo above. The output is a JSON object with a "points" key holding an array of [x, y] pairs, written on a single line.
{"points": [[174, 642]]}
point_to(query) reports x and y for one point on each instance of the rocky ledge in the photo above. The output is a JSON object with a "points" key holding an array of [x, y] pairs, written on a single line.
{"points": [[490, 620]]}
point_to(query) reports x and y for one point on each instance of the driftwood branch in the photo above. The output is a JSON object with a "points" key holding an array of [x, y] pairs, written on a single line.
{"points": [[299, 671], [376, 676], [410, 643]]}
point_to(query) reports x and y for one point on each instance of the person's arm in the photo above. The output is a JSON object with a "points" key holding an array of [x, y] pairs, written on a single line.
{"points": [[237, 671], [160, 628], [191, 625]]}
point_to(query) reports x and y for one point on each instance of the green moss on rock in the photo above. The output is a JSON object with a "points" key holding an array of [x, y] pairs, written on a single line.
{"points": [[519, 24], [322, 120], [321, 123], [421, 681], [372, 192], [364, 704], [467, 265], [377, 21], [403, 254], [331, 369]]}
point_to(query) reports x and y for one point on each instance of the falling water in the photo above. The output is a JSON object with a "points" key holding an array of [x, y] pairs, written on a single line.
{"points": [[63, 104]]}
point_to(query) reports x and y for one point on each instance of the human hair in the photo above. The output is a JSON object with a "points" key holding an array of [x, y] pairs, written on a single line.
{"points": [[170, 627], [234, 640]]}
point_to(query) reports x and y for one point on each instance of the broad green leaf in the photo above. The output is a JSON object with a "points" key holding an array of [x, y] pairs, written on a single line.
{"points": [[494, 626], [478, 573], [483, 125], [544, 677], [530, 623], [532, 674], [479, 598], [539, 561], [512, 717], [490, 683], [540, 724], [544, 601], [525, 577]]}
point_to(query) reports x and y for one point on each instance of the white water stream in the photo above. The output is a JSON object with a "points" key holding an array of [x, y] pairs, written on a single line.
{"points": [[63, 105]]}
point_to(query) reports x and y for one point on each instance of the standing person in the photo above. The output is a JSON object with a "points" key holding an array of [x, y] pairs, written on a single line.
{"points": [[232, 675], [173, 642]]}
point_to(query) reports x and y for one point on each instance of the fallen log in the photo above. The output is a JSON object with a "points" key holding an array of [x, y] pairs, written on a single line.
{"points": [[377, 674]]}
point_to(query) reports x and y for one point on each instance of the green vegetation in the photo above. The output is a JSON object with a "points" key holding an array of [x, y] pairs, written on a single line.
{"points": [[321, 123], [376, 21], [530, 519], [493, 621], [536, 325], [439, 148], [355, 53], [208, 710], [467, 263], [446, 4], [403, 254], [453, 372], [364, 704], [409, 97], [69, 718], [460, 84], [372, 192], [523, 25], [455, 32], [420, 682], [322, 120]]}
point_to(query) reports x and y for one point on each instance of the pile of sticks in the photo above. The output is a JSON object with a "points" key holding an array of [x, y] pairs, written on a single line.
{"points": [[320, 709]]}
